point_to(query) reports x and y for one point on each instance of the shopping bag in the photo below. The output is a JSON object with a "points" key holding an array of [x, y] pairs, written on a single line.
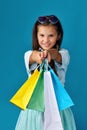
{"points": [[63, 99], [37, 99], [52, 120], [23, 95]]}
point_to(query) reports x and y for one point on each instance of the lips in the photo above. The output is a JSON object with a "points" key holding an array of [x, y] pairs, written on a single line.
{"points": [[46, 44]]}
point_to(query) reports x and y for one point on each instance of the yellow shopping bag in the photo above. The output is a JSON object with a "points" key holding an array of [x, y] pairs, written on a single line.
{"points": [[23, 95]]}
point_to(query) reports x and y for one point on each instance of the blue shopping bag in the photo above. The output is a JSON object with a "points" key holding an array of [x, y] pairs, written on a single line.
{"points": [[63, 99]]}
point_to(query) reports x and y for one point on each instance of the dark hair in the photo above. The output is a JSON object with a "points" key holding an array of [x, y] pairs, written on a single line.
{"points": [[58, 26]]}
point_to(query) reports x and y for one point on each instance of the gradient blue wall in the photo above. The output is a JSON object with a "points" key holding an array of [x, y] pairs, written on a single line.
{"points": [[16, 21]]}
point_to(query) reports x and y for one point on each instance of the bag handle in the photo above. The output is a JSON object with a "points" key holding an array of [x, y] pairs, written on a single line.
{"points": [[45, 65]]}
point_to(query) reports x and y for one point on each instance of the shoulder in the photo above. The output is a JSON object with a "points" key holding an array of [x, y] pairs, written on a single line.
{"points": [[26, 59], [65, 59], [27, 53], [65, 51], [65, 55]]}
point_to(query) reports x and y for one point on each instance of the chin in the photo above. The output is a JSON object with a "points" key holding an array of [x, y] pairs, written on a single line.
{"points": [[47, 48]]}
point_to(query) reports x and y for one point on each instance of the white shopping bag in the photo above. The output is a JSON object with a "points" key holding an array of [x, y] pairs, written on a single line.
{"points": [[52, 120]]}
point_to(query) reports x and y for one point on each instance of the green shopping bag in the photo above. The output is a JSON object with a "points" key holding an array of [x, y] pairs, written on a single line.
{"points": [[37, 99]]}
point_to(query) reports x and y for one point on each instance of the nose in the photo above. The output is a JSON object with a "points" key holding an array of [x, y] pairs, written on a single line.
{"points": [[46, 39]]}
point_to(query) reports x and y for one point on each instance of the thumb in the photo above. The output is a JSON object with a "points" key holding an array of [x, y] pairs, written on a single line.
{"points": [[49, 57]]}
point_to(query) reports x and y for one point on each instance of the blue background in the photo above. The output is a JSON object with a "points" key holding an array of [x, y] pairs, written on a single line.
{"points": [[16, 21]]}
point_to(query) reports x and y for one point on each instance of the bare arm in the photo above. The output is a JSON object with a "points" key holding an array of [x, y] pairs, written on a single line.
{"points": [[37, 56], [55, 55]]}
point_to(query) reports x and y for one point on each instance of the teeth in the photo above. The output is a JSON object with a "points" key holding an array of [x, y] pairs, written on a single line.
{"points": [[46, 44]]}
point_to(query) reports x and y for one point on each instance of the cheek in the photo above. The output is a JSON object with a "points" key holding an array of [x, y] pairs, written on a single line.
{"points": [[39, 39], [54, 40]]}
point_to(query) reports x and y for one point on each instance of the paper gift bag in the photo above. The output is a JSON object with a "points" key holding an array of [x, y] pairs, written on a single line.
{"points": [[52, 120], [37, 99], [63, 99], [23, 95]]}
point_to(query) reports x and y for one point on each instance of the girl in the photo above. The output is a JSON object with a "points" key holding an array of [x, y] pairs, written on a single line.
{"points": [[46, 40]]}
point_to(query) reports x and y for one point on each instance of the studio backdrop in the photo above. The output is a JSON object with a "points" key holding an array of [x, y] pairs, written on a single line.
{"points": [[16, 21]]}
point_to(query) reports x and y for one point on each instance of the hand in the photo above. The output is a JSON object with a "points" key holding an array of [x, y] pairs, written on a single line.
{"points": [[38, 56], [53, 54]]}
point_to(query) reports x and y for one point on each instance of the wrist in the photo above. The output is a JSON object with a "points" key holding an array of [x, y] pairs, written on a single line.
{"points": [[32, 59], [58, 58]]}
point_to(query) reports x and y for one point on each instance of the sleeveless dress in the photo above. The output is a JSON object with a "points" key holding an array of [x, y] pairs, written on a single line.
{"points": [[34, 120]]}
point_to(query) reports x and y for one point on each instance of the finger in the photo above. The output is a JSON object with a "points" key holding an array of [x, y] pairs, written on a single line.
{"points": [[45, 53], [41, 54]]}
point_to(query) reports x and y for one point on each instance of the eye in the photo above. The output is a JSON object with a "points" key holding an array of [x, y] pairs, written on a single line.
{"points": [[51, 35], [42, 35]]}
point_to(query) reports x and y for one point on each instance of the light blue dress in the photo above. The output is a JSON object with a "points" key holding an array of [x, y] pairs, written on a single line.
{"points": [[34, 120]]}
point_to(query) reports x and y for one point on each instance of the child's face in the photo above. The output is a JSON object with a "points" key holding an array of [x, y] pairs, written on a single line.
{"points": [[47, 36]]}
